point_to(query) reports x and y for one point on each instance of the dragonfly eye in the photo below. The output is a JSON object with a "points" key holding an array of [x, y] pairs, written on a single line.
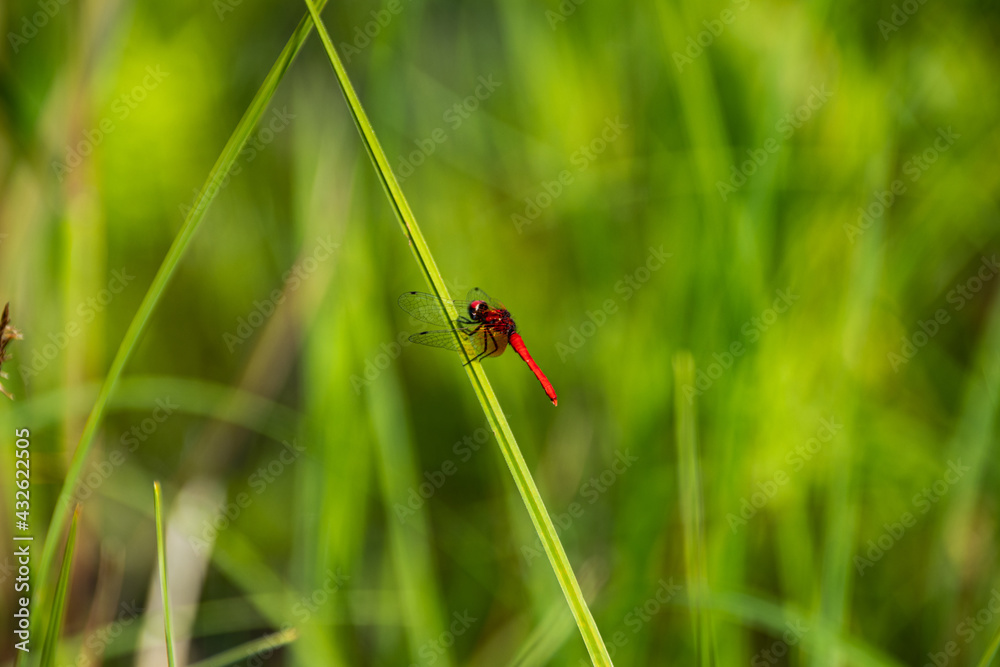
{"points": [[476, 308]]}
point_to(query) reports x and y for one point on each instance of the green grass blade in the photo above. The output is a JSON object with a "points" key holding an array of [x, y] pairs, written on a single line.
{"points": [[541, 646], [813, 633], [692, 506], [161, 557], [484, 392], [250, 649], [51, 639], [991, 651], [170, 262]]}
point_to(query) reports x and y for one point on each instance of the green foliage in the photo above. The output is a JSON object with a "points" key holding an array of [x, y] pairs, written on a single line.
{"points": [[544, 527], [799, 196]]}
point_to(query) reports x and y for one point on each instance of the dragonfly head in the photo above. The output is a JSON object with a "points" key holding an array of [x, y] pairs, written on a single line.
{"points": [[477, 308]]}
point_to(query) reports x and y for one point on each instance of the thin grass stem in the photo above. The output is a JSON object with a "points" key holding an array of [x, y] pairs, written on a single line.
{"points": [[161, 557], [51, 640], [166, 271], [484, 392], [250, 649]]}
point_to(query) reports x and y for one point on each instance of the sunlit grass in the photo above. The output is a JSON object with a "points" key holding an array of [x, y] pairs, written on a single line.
{"points": [[491, 407], [327, 366]]}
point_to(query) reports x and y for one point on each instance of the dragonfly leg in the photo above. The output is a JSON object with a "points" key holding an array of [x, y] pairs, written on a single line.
{"points": [[481, 354], [487, 352]]}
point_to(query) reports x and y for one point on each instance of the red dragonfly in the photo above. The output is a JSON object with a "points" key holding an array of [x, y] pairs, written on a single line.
{"points": [[483, 326]]}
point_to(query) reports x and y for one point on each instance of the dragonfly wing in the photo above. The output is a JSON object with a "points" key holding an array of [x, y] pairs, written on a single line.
{"points": [[476, 294], [429, 308], [447, 340]]}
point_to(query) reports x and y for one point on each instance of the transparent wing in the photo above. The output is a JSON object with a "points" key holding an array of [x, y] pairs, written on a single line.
{"points": [[429, 308], [449, 341], [476, 294]]}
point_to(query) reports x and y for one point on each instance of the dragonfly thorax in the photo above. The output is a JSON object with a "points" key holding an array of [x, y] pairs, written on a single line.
{"points": [[494, 320]]}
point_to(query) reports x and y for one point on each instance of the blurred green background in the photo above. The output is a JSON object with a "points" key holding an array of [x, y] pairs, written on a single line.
{"points": [[802, 195]]}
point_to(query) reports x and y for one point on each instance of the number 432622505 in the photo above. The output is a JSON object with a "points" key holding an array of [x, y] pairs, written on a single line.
{"points": [[22, 477]]}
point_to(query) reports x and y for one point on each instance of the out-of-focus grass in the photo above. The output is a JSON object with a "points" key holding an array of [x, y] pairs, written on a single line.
{"points": [[51, 642], [856, 434], [692, 509], [161, 558]]}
